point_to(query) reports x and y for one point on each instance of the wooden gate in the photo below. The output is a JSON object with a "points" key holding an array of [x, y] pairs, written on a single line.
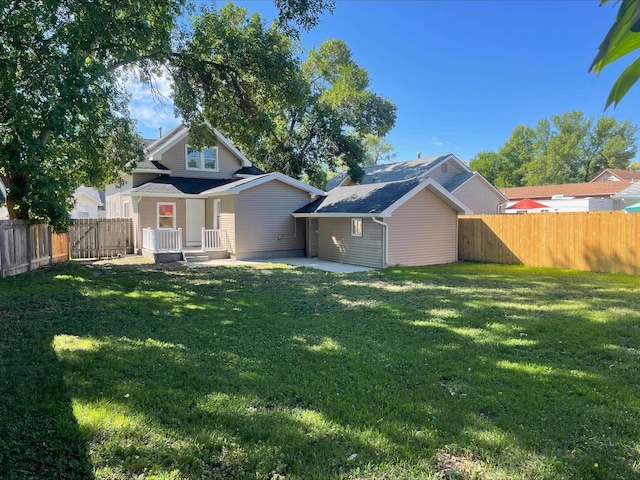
{"points": [[99, 238]]}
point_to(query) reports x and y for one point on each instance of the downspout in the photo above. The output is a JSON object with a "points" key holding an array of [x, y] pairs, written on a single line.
{"points": [[386, 240]]}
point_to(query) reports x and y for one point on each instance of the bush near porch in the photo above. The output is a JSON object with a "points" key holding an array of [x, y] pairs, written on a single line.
{"points": [[458, 371]]}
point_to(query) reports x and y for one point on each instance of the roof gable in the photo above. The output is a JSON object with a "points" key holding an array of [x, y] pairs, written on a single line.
{"points": [[239, 186], [618, 173], [155, 149]]}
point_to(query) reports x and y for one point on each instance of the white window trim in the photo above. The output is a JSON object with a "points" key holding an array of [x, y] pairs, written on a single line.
{"points": [[158, 215], [356, 227], [201, 168], [126, 208]]}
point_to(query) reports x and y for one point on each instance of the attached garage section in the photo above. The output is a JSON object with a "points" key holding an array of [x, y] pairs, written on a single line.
{"points": [[423, 231], [337, 244]]}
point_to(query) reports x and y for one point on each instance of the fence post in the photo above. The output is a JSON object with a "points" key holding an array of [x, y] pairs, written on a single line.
{"points": [[50, 235], [29, 255]]}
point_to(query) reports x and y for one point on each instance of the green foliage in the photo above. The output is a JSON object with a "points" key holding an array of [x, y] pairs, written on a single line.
{"points": [[297, 118], [378, 150], [622, 39], [568, 148], [64, 118], [64, 121], [456, 371]]}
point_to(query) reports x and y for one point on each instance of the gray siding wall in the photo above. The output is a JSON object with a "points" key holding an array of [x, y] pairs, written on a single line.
{"points": [[175, 159], [423, 231], [264, 224], [336, 244], [479, 196]]}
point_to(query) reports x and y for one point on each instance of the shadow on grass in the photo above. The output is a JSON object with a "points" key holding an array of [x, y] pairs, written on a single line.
{"points": [[237, 373]]}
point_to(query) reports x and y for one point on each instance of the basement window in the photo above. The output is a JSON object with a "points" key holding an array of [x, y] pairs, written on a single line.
{"points": [[356, 227]]}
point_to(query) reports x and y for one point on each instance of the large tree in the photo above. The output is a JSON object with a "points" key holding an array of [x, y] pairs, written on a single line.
{"points": [[568, 148], [294, 117], [64, 119]]}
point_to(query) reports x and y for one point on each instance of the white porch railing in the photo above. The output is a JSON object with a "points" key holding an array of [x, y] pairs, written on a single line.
{"points": [[162, 240], [213, 240]]}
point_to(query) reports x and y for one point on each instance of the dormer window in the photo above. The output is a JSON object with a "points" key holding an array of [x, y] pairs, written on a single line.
{"points": [[204, 159]]}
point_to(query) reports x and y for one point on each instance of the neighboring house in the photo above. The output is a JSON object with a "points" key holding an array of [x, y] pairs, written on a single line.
{"points": [[406, 222], [4, 213], [212, 195], [87, 203], [570, 197], [469, 187], [617, 175]]}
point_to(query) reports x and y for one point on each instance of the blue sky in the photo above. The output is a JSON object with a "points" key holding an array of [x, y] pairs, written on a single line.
{"points": [[464, 74]]}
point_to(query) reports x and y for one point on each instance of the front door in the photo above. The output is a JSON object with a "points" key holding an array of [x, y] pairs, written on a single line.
{"points": [[195, 222], [312, 237]]}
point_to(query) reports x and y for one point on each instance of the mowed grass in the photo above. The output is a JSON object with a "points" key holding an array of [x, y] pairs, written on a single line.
{"points": [[463, 371]]}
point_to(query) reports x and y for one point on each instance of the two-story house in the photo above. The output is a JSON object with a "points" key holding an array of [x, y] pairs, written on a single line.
{"points": [[209, 199]]}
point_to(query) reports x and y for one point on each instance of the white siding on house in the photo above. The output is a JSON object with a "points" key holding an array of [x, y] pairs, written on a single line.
{"points": [[479, 196], [423, 231], [175, 159], [336, 244], [264, 223]]}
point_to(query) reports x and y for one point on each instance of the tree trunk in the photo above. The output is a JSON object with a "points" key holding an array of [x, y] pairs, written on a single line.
{"points": [[16, 188]]}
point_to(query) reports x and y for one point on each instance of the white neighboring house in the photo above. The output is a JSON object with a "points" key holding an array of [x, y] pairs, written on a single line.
{"points": [[88, 203], [4, 213]]}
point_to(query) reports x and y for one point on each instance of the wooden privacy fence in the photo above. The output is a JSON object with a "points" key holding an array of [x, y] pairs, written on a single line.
{"points": [[98, 238], [593, 241], [25, 247]]}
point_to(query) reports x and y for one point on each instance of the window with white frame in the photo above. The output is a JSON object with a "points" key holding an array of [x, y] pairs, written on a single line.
{"points": [[203, 159], [356, 227], [166, 215], [126, 212]]}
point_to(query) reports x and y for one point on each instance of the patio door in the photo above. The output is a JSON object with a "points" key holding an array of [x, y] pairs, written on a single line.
{"points": [[195, 222]]}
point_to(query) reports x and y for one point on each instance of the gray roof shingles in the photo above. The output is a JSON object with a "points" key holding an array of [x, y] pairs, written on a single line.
{"points": [[151, 165], [361, 199], [181, 185], [392, 172]]}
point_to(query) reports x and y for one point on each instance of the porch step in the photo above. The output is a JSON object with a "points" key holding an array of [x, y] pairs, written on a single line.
{"points": [[191, 258], [198, 256]]}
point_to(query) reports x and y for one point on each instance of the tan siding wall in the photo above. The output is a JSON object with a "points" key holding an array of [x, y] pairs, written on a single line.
{"points": [[147, 212], [228, 219], [263, 214], [479, 196], [452, 169], [423, 231], [175, 159], [336, 244]]}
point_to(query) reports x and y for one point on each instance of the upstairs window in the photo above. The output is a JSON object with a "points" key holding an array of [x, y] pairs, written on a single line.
{"points": [[204, 159]]}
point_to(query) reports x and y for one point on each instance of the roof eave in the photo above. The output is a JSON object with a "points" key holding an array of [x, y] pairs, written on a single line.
{"points": [[337, 215]]}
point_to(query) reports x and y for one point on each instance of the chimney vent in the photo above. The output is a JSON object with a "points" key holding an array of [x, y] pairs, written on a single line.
{"points": [[419, 154], [159, 132]]}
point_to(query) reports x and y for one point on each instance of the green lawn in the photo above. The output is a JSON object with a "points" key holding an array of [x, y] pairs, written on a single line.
{"points": [[463, 371]]}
